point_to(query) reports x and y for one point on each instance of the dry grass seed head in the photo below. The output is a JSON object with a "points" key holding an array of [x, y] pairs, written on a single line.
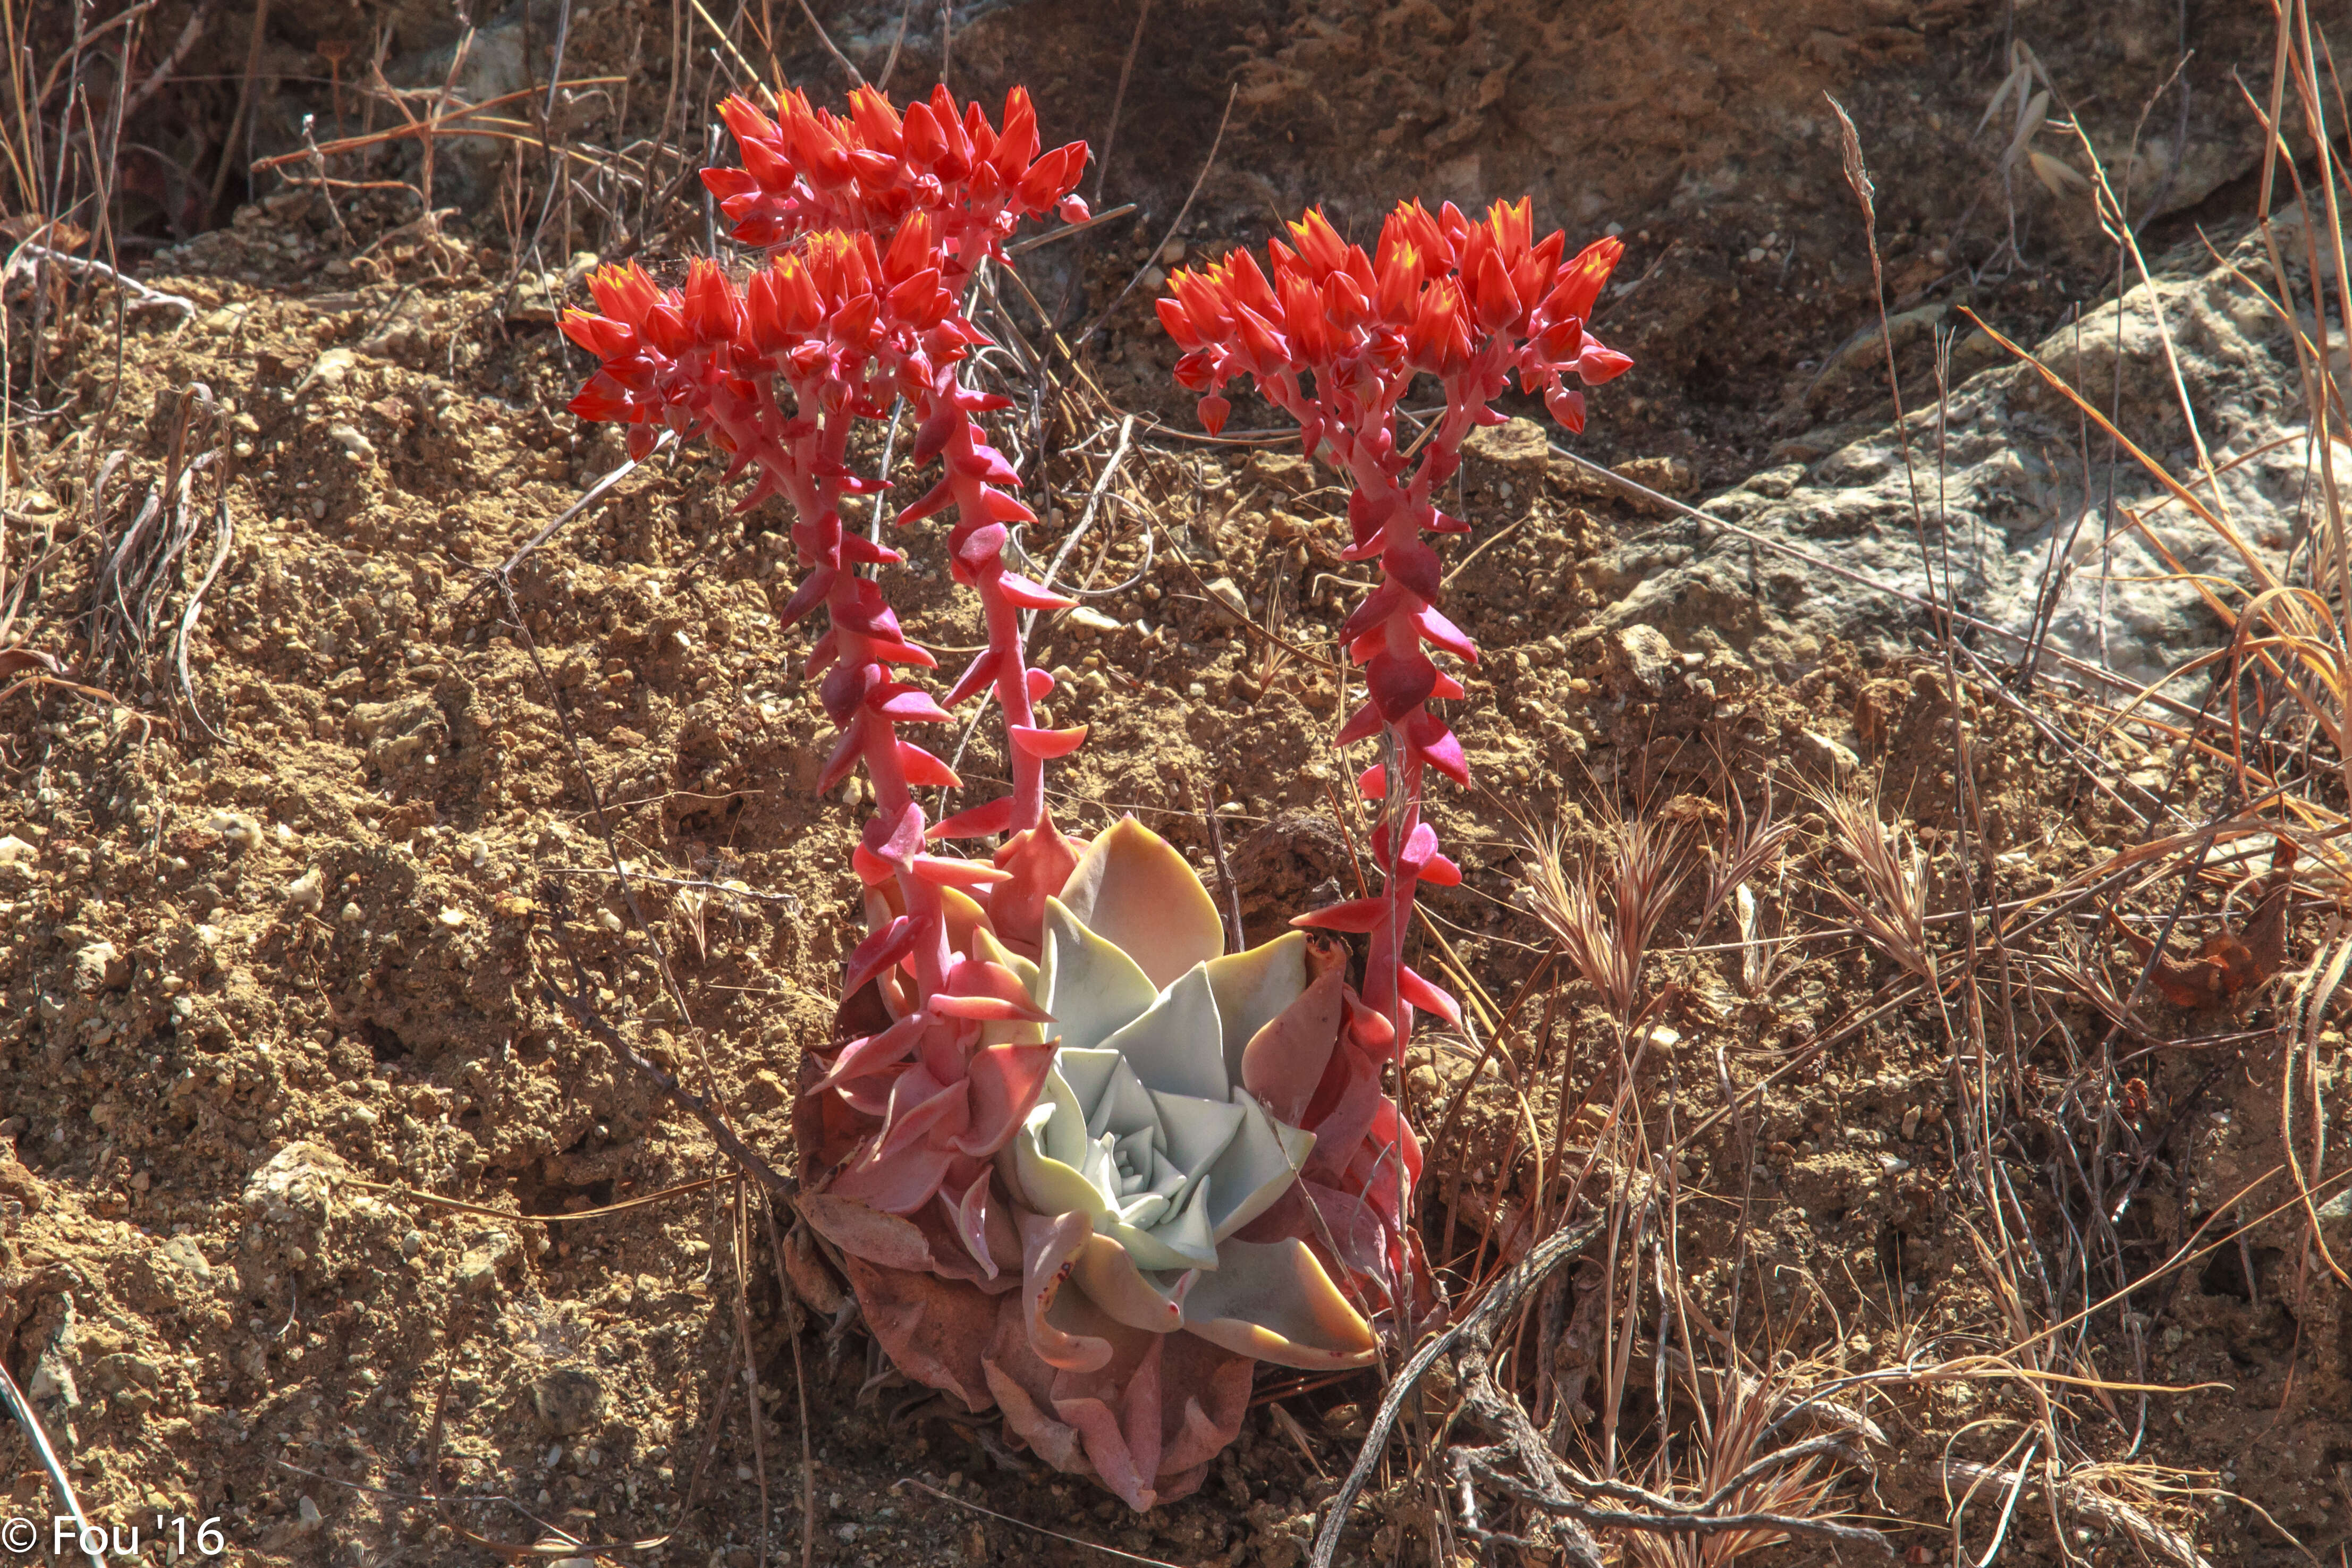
{"points": [[1891, 910], [1606, 935]]}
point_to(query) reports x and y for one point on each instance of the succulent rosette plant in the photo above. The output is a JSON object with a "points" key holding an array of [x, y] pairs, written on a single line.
{"points": [[1145, 1232], [1078, 1163]]}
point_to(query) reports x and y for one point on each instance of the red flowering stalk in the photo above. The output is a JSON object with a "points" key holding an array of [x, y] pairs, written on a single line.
{"points": [[1465, 303], [842, 327], [864, 172]]}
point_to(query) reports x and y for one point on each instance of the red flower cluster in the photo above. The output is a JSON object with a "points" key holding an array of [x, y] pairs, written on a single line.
{"points": [[865, 172], [1335, 337]]}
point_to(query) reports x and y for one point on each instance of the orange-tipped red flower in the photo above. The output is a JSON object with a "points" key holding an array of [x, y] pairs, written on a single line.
{"points": [[811, 170]]}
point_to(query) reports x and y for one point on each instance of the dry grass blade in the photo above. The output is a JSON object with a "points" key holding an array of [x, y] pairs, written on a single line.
{"points": [[1736, 1464], [22, 1409], [1746, 851], [140, 559], [2164, 1543], [1891, 910]]}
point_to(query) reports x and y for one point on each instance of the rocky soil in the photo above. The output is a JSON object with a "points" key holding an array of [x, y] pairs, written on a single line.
{"points": [[317, 1216]]}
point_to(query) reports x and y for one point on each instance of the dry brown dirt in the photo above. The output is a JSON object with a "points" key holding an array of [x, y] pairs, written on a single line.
{"points": [[318, 1207]]}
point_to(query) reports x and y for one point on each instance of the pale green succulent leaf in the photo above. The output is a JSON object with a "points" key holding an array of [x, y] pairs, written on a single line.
{"points": [[1265, 1157], [1052, 1188], [1106, 1272], [1198, 1131], [1176, 1045], [1253, 988], [1088, 985], [1182, 1240], [1275, 1302], [1124, 1106]]}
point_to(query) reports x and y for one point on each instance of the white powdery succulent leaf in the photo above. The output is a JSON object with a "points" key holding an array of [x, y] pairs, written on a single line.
{"points": [[1089, 987], [1177, 1046]]}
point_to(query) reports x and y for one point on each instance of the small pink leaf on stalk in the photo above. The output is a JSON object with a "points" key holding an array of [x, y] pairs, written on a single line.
{"points": [[912, 705], [1358, 915], [1440, 872], [986, 463], [807, 597], [1427, 997], [931, 439], [894, 838], [1367, 617], [1415, 566], [863, 1058], [1362, 724], [920, 1107], [863, 551], [1041, 860], [1047, 743], [1419, 845], [1443, 633], [1567, 406], [932, 499], [1024, 594], [1438, 745], [1595, 364], [1039, 683], [976, 675], [983, 544], [844, 755], [1215, 412], [1372, 783], [879, 952], [948, 871], [1399, 684], [986, 990], [923, 768], [1370, 1029], [871, 869], [979, 821]]}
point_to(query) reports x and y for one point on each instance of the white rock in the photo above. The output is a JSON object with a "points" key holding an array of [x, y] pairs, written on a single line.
{"points": [[306, 891], [2012, 497]]}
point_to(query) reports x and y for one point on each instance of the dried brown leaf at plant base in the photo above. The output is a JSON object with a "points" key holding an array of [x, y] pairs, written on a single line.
{"points": [[2229, 964]]}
